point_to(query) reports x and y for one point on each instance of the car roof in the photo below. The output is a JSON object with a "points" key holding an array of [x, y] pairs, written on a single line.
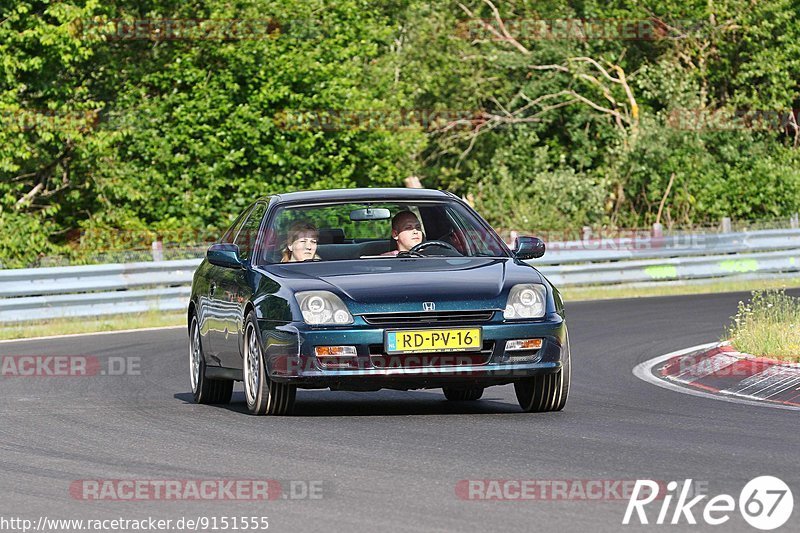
{"points": [[375, 194]]}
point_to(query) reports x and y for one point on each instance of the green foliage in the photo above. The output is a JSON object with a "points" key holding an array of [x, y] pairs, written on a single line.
{"points": [[122, 140], [25, 236], [716, 174], [522, 187]]}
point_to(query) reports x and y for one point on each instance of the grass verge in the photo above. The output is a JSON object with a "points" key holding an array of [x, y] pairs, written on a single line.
{"points": [[65, 326], [768, 326]]}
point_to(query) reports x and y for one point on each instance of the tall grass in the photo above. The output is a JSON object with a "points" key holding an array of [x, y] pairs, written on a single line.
{"points": [[768, 325]]}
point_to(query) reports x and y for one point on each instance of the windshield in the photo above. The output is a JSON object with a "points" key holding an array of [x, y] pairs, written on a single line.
{"points": [[377, 230]]}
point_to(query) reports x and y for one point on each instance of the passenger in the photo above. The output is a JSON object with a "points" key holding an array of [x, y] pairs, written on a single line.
{"points": [[301, 242], [407, 231]]}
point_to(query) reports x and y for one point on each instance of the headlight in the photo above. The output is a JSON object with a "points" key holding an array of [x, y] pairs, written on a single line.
{"points": [[323, 307], [526, 301]]}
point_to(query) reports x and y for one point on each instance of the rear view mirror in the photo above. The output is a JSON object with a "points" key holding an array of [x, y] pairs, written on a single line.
{"points": [[528, 248], [370, 214]]}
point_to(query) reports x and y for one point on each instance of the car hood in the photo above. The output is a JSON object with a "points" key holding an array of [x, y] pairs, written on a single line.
{"points": [[384, 281]]}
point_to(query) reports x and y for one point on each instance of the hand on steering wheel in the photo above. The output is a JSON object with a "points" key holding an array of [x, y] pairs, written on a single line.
{"points": [[423, 245]]}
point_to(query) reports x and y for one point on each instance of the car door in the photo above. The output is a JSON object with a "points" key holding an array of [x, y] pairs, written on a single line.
{"points": [[234, 289], [213, 307]]}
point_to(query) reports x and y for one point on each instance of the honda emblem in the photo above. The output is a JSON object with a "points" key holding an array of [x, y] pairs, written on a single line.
{"points": [[428, 306]]}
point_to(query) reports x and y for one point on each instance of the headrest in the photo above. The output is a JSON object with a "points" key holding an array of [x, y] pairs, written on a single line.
{"points": [[331, 236]]}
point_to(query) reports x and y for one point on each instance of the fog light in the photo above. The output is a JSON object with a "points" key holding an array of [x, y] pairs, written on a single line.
{"points": [[327, 351], [523, 344], [336, 356]]}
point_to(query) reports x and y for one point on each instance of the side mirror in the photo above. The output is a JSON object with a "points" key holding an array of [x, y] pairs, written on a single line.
{"points": [[224, 255], [528, 248]]}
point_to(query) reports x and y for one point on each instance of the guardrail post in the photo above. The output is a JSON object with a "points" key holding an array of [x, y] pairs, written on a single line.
{"points": [[794, 222], [158, 251], [658, 230], [726, 225]]}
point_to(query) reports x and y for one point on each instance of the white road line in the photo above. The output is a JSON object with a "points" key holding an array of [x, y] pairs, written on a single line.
{"points": [[643, 371], [91, 333]]}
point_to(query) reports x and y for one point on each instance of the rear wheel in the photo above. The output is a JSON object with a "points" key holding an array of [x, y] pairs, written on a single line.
{"points": [[264, 396], [204, 390], [547, 392], [463, 395]]}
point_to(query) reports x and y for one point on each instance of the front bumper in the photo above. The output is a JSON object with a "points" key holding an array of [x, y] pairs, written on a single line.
{"points": [[289, 355]]}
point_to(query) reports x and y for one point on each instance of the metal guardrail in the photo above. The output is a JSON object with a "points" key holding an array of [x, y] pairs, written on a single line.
{"points": [[678, 268], [58, 292], [93, 278], [647, 247], [96, 290]]}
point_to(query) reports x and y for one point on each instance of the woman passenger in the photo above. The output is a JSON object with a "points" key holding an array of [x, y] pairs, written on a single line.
{"points": [[301, 242]]}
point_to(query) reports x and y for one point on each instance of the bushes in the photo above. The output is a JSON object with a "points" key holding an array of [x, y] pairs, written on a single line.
{"points": [[521, 188], [158, 136], [25, 238], [740, 174]]}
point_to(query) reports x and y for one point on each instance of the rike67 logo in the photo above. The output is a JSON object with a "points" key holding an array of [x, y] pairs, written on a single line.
{"points": [[765, 503]]}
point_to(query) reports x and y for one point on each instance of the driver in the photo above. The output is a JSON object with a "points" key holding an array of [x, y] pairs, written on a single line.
{"points": [[407, 231]]}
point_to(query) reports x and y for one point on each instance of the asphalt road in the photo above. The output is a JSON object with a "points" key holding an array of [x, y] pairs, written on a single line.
{"points": [[391, 460]]}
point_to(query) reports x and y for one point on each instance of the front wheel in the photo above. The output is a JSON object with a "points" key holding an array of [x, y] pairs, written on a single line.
{"points": [[204, 390], [547, 392], [264, 396]]}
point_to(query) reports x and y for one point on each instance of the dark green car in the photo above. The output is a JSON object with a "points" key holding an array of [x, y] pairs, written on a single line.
{"points": [[364, 289]]}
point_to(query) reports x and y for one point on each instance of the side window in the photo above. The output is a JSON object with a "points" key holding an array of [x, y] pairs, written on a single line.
{"points": [[234, 229], [483, 242], [246, 237]]}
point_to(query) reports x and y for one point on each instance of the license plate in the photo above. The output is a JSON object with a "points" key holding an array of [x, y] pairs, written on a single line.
{"points": [[433, 340]]}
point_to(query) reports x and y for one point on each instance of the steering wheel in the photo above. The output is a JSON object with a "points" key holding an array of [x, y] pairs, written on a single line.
{"points": [[427, 244]]}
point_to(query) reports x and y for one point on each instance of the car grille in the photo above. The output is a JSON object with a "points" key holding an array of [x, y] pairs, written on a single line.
{"points": [[428, 317]]}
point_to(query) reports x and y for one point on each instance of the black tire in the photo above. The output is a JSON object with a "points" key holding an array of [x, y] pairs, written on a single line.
{"points": [[204, 390], [463, 395], [548, 392], [263, 396]]}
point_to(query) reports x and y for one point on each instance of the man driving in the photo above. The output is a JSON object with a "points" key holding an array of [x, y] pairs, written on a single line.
{"points": [[407, 231]]}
